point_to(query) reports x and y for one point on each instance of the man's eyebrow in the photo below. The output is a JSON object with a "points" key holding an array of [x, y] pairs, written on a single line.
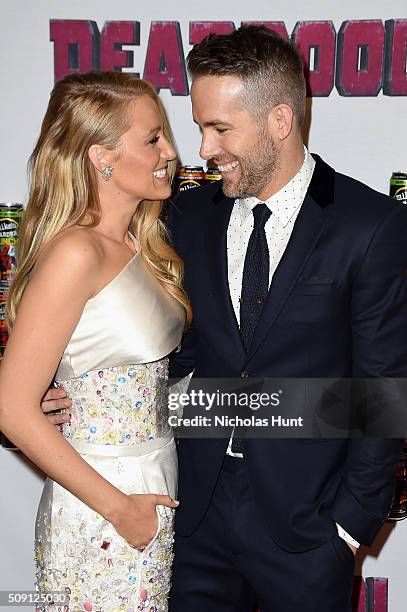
{"points": [[214, 122]]}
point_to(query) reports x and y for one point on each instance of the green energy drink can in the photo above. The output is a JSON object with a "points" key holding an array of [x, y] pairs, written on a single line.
{"points": [[398, 186], [10, 219]]}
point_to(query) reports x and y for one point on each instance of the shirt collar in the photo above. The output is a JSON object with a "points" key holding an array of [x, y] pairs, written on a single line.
{"points": [[285, 202]]}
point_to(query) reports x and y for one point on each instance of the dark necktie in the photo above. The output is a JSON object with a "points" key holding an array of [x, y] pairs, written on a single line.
{"points": [[255, 286], [255, 282]]}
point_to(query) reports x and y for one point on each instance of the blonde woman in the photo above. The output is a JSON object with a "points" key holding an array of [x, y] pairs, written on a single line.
{"points": [[97, 305]]}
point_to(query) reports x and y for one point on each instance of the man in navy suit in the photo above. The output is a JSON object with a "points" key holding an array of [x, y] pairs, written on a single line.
{"points": [[293, 270]]}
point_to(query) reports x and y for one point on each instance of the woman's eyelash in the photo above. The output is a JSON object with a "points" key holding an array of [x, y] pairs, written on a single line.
{"points": [[154, 140]]}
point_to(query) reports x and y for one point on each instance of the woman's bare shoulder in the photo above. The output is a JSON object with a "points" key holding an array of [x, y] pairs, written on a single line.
{"points": [[74, 257], [76, 246]]}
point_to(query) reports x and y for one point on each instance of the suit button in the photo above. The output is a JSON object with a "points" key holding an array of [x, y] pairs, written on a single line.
{"points": [[245, 374]]}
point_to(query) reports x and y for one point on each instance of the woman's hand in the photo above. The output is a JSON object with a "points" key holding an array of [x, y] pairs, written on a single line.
{"points": [[138, 522]]}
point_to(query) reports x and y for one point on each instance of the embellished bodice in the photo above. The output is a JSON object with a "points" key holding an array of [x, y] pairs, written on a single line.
{"points": [[115, 366], [119, 406]]}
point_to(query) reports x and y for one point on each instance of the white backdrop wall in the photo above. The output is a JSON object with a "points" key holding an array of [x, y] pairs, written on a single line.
{"points": [[358, 125]]}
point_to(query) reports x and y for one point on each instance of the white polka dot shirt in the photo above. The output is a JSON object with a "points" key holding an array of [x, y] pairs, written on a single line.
{"points": [[285, 206]]}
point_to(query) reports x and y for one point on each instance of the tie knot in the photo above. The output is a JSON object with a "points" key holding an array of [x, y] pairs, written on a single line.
{"points": [[261, 213]]}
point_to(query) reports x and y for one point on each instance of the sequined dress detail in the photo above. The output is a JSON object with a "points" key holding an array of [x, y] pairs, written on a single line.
{"points": [[115, 370]]}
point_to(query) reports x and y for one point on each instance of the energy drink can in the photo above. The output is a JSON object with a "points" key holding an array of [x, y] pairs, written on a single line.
{"points": [[189, 177], [212, 174], [10, 219], [398, 187]]}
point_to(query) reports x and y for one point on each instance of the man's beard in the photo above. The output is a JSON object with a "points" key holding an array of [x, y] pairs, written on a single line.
{"points": [[257, 168]]}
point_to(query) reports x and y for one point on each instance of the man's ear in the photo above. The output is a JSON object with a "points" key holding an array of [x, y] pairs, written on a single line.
{"points": [[280, 121]]}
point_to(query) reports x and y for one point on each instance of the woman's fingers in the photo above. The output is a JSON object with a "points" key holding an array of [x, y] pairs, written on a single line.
{"points": [[138, 521], [166, 500]]}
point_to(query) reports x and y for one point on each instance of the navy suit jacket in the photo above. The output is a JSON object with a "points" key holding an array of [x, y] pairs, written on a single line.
{"points": [[337, 307]]}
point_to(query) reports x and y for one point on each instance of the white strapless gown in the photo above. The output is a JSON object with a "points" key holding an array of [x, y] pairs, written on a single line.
{"points": [[115, 370]]}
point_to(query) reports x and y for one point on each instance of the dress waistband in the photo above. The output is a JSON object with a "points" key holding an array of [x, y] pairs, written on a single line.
{"points": [[115, 450]]}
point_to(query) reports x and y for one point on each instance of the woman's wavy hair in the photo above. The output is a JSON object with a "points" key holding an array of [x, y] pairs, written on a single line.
{"points": [[87, 109]]}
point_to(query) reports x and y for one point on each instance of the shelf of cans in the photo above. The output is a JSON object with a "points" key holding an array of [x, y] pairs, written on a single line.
{"points": [[188, 177]]}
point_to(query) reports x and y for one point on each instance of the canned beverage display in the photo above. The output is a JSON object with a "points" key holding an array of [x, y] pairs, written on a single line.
{"points": [[3, 328], [398, 187], [189, 177], [398, 510], [11, 214], [212, 174], [10, 219]]}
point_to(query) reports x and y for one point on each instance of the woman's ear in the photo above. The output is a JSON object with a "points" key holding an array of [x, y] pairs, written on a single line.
{"points": [[99, 157]]}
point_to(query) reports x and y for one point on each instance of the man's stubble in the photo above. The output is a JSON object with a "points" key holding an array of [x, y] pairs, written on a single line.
{"points": [[257, 168]]}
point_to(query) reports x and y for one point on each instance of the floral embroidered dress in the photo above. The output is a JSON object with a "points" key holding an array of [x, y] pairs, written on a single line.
{"points": [[114, 369]]}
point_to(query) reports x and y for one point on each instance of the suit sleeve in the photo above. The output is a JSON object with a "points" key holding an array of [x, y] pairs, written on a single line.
{"points": [[379, 351], [182, 362]]}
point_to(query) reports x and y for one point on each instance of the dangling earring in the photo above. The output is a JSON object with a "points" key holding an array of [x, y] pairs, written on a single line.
{"points": [[107, 172]]}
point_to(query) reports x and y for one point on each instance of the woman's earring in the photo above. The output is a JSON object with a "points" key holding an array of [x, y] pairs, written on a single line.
{"points": [[107, 172]]}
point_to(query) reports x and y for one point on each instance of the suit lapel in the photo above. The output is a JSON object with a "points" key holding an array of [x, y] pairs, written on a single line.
{"points": [[216, 244], [306, 231]]}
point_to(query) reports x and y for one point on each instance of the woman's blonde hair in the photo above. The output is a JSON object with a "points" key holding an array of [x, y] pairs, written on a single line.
{"points": [[88, 109]]}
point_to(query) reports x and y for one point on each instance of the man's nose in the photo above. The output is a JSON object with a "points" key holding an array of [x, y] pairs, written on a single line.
{"points": [[207, 149]]}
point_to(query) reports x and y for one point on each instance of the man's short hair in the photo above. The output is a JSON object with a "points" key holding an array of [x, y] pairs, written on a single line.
{"points": [[270, 67]]}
